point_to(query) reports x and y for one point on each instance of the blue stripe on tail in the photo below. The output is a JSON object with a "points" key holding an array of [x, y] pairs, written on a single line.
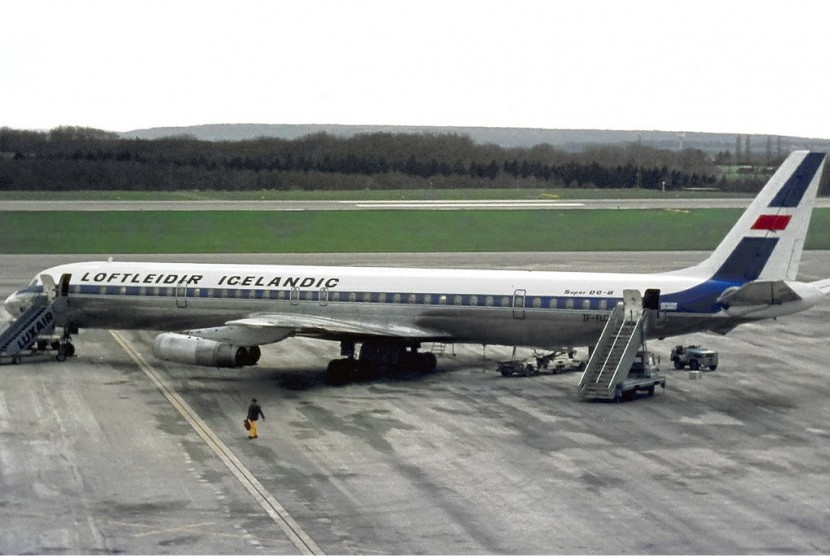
{"points": [[744, 264], [793, 190], [747, 260]]}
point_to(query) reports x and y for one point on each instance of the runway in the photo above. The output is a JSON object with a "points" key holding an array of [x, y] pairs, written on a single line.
{"points": [[292, 206], [95, 457]]}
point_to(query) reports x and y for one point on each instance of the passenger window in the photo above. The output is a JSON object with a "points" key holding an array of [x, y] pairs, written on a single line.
{"points": [[537, 303], [458, 300], [396, 298], [489, 301], [473, 300]]}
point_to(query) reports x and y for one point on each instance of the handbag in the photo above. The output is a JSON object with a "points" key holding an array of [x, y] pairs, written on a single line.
{"points": [[247, 424]]}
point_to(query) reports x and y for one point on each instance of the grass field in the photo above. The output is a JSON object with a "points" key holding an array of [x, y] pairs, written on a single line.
{"points": [[373, 231]]}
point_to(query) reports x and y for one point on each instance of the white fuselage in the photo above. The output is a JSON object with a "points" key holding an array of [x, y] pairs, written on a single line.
{"points": [[508, 307]]}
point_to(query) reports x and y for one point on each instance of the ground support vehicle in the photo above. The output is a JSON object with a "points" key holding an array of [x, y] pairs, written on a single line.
{"points": [[643, 376], [556, 363], [694, 357], [552, 363], [517, 368], [43, 349]]}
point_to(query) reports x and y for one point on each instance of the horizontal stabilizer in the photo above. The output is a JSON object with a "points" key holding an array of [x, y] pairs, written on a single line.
{"points": [[760, 292], [822, 285]]}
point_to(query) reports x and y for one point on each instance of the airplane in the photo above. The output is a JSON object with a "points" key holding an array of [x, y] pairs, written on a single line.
{"points": [[219, 315]]}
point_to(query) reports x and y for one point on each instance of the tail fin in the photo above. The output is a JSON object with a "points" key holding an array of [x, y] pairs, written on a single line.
{"points": [[766, 243]]}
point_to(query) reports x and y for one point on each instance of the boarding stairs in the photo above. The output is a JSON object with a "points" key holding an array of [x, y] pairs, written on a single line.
{"points": [[22, 333], [440, 349], [37, 322], [616, 349]]}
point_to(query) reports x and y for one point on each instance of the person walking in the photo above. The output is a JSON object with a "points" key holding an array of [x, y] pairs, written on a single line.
{"points": [[254, 413]]}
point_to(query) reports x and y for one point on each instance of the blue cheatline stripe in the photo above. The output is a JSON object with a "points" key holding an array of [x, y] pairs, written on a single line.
{"points": [[503, 301], [747, 260], [793, 190]]}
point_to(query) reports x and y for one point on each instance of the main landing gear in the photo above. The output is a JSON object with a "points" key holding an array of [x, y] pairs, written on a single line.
{"points": [[377, 356]]}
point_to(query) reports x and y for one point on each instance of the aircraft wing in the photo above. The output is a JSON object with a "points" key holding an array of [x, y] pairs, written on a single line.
{"points": [[270, 328], [325, 327]]}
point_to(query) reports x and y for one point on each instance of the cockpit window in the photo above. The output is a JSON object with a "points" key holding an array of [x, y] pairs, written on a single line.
{"points": [[35, 281]]}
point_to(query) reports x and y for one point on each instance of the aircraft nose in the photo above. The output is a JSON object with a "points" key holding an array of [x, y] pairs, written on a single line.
{"points": [[15, 304]]}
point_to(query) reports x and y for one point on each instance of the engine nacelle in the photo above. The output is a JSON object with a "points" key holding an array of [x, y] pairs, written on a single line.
{"points": [[193, 350]]}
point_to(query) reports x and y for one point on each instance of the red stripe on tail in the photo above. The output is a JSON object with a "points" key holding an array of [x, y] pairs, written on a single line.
{"points": [[772, 223]]}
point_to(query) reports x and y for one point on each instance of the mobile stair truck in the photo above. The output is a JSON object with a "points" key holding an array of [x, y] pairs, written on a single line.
{"points": [[620, 364], [31, 335]]}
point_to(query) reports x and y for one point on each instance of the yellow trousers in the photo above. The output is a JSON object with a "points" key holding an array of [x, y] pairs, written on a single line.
{"points": [[252, 433]]}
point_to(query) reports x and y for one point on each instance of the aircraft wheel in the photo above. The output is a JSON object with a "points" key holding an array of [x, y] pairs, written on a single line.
{"points": [[343, 371], [712, 367]]}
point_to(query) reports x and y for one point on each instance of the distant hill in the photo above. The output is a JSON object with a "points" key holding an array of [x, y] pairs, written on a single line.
{"points": [[565, 139]]}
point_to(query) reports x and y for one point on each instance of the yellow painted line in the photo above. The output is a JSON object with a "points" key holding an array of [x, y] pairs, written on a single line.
{"points": [[295, 533]]}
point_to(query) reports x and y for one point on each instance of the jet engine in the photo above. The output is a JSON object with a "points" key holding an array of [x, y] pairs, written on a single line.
{"points": [[193, 350]]}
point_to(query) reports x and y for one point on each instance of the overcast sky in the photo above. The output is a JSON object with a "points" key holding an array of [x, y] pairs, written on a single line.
{"points": [[699, 65]]}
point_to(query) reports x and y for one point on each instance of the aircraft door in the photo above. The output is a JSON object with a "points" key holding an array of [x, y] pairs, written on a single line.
{"points": [[63, 285], [519, 304], [651, 299]]}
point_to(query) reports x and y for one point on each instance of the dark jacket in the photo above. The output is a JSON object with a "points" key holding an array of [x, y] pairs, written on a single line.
{"points": [[254, 411]]}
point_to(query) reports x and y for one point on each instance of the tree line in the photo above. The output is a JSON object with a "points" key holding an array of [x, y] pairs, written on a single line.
{"points": [[71, 158]]}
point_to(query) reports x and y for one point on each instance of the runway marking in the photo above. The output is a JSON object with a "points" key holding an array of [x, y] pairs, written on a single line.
{"points": [[153, 530], [272, 507], [150, 531], [444, 205]]}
